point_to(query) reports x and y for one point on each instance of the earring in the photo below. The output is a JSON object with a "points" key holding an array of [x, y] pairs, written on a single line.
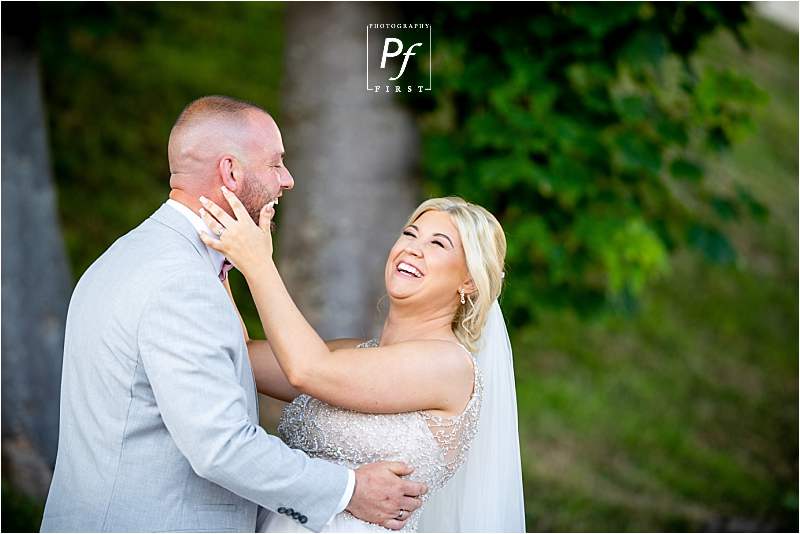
{"points": [[461, 292]]}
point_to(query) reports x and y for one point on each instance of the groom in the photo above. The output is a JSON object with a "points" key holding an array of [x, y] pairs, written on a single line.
{"points": [[159, 413]]}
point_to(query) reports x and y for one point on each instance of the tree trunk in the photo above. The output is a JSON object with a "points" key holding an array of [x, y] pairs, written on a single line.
{"points": [[35, 280], [354, 156]]}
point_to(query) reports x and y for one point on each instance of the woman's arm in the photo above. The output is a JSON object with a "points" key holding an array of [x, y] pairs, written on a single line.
{"points": [[415, 375], [270, 379]]}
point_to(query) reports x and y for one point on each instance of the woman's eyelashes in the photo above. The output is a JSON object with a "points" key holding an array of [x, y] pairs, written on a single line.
{"points": [[435, 242]]}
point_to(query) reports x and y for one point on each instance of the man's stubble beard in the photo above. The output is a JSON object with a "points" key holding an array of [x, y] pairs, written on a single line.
{"points": [[254, 196]]}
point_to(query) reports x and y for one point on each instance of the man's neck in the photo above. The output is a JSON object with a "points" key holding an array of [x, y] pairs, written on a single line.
{"points": [[190, 201]]}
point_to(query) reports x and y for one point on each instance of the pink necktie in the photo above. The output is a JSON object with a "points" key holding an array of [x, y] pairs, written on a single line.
{"points": [[226, 266]]}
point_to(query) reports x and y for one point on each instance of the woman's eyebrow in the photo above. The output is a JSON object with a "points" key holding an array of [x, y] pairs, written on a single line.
{"points": [[444, 236], [439, 234]]}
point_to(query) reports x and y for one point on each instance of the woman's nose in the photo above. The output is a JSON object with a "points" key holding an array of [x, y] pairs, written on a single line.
{"points": [[414, 251]]}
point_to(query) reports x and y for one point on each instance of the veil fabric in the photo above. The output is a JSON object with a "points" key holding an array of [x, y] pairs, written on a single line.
{"points": [[485, 494]]}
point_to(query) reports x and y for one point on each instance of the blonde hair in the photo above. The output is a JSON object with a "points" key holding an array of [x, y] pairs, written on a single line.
{"points": [[484, 246]]}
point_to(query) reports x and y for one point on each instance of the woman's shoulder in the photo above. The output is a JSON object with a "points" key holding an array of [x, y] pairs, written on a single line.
{"points": [[451, 357], [456, 368]]}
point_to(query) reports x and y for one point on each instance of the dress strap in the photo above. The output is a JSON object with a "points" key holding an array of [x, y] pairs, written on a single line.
{"points": [[471, 357]]}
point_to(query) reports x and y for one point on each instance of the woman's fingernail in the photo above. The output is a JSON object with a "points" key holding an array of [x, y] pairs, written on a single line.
{"points": [[224, 188], [202, 211], [203, 200]]}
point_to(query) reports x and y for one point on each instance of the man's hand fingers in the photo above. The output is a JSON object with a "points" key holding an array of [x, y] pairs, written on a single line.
{"points": [[394, 524], [414, 489], [381, 495], [410, 504], [399, 468]]}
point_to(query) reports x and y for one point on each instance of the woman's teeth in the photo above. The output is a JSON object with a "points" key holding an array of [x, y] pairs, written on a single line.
{"points": [[409, 269]]}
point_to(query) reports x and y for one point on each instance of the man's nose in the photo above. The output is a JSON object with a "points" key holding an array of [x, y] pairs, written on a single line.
{"points": [[287, 182]]}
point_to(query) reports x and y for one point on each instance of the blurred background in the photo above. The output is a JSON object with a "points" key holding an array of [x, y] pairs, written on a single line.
{"points": [[642, 158]]}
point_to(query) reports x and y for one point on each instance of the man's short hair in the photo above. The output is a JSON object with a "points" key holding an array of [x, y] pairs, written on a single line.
{"points": [[207, 107]]}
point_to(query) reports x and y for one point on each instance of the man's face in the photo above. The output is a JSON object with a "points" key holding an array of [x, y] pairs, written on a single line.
{"points": [[265, 175]]}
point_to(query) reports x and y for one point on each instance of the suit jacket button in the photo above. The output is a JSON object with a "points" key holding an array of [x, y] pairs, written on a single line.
{"points": [[295, 515], [289, 511], [303, 520], [281, 510]]}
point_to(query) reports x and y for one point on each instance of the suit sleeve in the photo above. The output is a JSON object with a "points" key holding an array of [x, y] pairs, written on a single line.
{"points": [[188, 336]]}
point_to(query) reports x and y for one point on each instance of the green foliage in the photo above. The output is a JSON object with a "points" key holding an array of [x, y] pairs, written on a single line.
{"points": [[20, 512], [116, 77], [684, 417], [585, 128]]}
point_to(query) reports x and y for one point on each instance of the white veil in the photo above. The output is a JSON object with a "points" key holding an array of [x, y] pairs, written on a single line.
{"points": [[485, 495]]}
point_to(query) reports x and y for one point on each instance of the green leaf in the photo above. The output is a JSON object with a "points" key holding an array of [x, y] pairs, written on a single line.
{"points": [[712, 243], [684, 169], [725, 208], [637, 153], [757, 210]]}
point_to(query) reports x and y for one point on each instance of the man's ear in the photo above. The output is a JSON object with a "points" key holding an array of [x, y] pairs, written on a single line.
{"points": [[230, 172]]}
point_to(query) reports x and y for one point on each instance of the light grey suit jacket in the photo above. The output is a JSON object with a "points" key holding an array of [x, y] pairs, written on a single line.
{"points": [[159, 419]]}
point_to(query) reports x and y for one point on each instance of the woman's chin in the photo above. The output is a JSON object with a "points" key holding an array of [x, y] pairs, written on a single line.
{"points": [[400, 295], [401, 288], [401, 292]]}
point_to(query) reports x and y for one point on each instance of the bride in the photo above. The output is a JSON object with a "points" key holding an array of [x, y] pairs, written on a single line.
{"points": [[435, 391]]}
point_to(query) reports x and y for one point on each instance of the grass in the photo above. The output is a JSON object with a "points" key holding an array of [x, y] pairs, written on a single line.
{"points": [[683, 417]]}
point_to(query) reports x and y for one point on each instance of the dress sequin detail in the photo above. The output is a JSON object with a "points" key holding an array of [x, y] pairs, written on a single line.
{"points": [[434, 446]]}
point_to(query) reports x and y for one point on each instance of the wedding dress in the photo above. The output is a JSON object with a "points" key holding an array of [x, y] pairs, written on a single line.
{"points": [[434, 446]]}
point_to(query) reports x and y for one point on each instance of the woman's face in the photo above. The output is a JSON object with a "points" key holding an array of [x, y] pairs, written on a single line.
{"points": [[427, 263]]}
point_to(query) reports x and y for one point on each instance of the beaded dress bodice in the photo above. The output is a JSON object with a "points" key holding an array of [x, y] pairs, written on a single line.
{"points": [[434, 446]]}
